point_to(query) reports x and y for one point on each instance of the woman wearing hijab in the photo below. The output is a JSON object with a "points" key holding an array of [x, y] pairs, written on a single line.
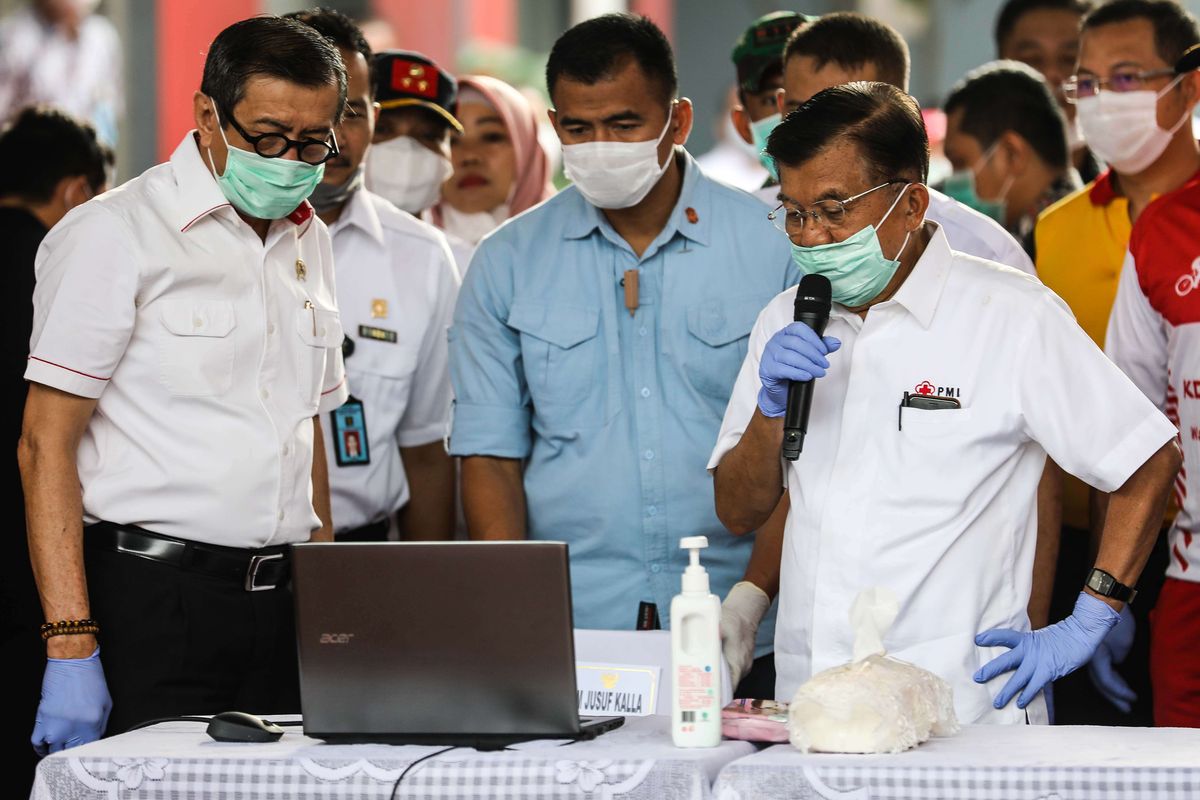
{"points": [[500, 169]]}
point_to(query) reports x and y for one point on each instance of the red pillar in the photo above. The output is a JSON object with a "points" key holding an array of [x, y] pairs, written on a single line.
{"points": [[185, 31], [493, 21], [422, 26], [660, 12]]}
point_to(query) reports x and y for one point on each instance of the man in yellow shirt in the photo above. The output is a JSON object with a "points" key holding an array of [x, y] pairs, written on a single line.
{"points": [[1080, 243]]}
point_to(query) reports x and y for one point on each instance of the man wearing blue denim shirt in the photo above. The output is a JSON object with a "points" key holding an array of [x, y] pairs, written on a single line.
{"points": [[598, 336]]}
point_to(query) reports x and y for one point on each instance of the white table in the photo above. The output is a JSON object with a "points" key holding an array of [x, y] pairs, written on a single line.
{"points": [[985, 762], [177, 760]]}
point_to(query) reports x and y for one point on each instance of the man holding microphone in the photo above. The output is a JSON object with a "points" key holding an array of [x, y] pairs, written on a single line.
{"points": [[943, 383]]}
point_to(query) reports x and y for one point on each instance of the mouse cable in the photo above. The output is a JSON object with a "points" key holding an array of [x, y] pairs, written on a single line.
{"points": [[409, 768], [288, 724], [150, 722]]}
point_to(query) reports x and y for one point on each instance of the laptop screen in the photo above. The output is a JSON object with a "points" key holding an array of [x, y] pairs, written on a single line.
{"points": [[400, 639]]}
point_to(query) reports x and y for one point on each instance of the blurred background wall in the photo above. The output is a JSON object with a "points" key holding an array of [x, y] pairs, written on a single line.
{"points": [[164, 43]]}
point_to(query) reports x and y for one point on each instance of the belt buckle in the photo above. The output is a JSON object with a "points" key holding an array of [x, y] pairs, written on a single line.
{"points": [[252, 572]]}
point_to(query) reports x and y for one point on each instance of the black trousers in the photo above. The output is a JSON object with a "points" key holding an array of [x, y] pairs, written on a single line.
{"points": [[23, 655], [759, 683], [178, 643], [1076, 700]]}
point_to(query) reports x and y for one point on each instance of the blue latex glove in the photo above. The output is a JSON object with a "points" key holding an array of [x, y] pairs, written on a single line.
{"points": [[75, 704], [795, 353], [1111, 651], [1046, 655]]}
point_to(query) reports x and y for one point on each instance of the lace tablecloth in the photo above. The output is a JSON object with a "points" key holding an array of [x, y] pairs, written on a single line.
{"points": [[985, 762], [177, 760]]}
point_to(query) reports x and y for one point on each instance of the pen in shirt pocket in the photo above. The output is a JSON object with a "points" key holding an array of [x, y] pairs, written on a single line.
{"points": [[313, 310]]}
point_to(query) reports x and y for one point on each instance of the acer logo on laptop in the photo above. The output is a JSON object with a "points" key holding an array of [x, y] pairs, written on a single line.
{"points": [[336, 638]]}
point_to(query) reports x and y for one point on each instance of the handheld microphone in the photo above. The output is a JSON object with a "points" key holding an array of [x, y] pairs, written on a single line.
{"points": [[813, 300]]}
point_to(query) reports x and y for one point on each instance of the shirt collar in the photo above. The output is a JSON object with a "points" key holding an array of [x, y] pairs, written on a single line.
{"points": [[199, 194], [690, 217], [922, 289], [360, 213], [1103, 191]]}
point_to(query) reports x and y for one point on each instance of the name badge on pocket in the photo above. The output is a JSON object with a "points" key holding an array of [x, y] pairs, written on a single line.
{"points": [[350, 434]]}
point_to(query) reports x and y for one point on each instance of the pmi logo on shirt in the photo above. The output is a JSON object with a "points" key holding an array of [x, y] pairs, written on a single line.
{"points": [[927, 389]]}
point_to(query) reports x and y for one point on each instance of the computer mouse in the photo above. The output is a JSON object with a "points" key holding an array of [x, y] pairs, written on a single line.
{"points": [[238, 726]]}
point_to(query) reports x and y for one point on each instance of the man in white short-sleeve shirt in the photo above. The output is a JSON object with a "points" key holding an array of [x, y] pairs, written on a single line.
{"points": [[185, 341], [831, 50], [943, 381], [396, 285]]}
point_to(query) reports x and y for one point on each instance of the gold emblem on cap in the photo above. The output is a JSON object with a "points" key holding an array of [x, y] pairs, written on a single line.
{"points": [[378, 309], [301, 270]]}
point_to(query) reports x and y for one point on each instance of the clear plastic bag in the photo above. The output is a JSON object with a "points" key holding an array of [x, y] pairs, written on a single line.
{"points": [[874, 704]]}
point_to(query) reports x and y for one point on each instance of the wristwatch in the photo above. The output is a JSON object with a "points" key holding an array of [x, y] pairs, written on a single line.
{"points": [[1106, 585]]}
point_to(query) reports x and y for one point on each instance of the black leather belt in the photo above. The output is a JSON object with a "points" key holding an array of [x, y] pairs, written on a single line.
{"points": [[373, 532], [254, 570]]}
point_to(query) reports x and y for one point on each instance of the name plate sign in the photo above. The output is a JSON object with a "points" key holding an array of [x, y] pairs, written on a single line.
{"points": [[626, 690]]}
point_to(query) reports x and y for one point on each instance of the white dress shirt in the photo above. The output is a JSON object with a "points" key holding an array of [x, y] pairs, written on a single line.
{"points": [[396, 287], [938, 505], [977, 235], [209, 353]]}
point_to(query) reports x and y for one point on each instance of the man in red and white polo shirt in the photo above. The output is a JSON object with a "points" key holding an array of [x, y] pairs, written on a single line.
{"points": [[1154, 336]]}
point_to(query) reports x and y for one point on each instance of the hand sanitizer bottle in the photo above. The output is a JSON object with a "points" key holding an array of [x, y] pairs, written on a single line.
{"points": [[696, 656]]}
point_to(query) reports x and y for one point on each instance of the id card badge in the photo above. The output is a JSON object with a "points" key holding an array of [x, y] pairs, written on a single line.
{"points": [[350, 434]]}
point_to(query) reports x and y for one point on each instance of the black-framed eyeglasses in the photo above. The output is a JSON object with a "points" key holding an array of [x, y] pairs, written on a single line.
{"points": [[1079, 86], [274, 145], [829, 213]]}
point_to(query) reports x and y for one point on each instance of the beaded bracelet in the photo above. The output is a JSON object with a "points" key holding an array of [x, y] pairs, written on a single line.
{"points": [[69, 627]]}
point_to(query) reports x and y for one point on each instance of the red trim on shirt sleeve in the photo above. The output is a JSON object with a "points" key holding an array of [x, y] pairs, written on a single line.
{"points": [[77, 372], [335, 388], [1165, 246]]}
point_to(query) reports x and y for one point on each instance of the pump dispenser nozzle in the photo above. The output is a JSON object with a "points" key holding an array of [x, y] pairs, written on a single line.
{"points": [[695, 578]]}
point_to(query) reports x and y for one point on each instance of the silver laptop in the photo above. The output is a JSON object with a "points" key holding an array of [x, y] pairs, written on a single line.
{"points": [[455, 643]]}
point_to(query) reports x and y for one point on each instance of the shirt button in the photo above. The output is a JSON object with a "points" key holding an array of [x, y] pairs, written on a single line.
{"points": [[651, 510], [265, 394], [656, 568], [197, 322], [322, 332], [281, 515], [648, 455], [645, 391], [270, 328], [642, 331]]}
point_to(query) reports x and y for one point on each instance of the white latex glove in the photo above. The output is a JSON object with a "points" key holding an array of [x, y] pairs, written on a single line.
{"points": [[742, 611]]}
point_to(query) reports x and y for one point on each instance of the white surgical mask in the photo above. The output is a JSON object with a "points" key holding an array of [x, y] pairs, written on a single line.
{"points": [[615, 174], [1122, 129], [407, 173]]}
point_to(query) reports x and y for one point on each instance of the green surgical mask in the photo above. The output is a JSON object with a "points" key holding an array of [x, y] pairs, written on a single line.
{"points": [[264, 188], [960, 186], [856, 267], [759, 131]]}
